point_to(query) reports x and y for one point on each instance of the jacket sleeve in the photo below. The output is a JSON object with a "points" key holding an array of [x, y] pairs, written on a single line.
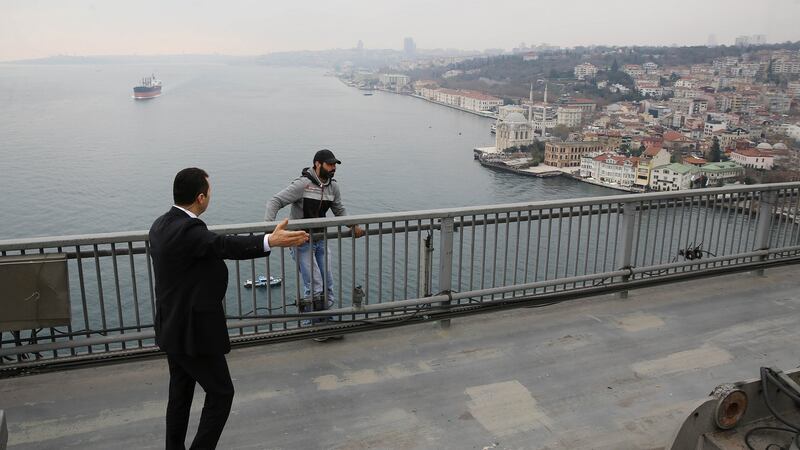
{"points": [[203, 243], [336, 206], [291, 194]]}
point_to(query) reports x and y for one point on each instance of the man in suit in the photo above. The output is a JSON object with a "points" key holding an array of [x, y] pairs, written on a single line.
{"points": [[191, 280]]}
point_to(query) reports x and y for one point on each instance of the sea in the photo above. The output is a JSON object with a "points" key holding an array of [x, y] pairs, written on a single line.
{"points": [[78, 155]]}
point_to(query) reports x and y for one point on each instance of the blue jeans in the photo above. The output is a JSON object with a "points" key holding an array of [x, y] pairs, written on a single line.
{"points": [[314, 267]]}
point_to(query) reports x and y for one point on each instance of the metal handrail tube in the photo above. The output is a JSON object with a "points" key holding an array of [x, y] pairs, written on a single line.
{"points": [[49, 346], [262, 227], [400, 304]]}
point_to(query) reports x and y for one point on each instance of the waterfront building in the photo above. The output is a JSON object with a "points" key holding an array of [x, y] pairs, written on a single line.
{"points": [[722, 172], [450, 97], [478, 101], [569, 154], [424, 84], [673, 177], [471, 100], [513, 131], [394, 81], [653, 156], [755, 158], [610, 168]]}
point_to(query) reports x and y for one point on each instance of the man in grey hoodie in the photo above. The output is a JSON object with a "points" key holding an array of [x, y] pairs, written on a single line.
{"points": [[311, 195]]}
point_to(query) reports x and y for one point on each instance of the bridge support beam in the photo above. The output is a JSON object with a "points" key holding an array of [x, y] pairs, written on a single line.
{"points": [[766, 207], [625, 241], [446, 262]]}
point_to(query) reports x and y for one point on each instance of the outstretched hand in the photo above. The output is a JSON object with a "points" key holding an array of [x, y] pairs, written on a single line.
{"points": [[281, 237], [357, 231]]}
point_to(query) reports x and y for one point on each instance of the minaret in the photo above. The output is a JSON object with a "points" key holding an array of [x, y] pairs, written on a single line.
{"points": [[530, 106], [544, 113]]}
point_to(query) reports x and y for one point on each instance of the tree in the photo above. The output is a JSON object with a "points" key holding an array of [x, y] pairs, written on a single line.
{"points": [[714, 154], [638, 152], [560, 131], [615, 65]]}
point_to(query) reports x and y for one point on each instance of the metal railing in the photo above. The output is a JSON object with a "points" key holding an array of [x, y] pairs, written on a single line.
{"points": [[424, 265]]}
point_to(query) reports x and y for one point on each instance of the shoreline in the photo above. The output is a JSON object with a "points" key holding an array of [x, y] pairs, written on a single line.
{"points": [[506, 168], [500, 166], [492, 116], [543, 172]]}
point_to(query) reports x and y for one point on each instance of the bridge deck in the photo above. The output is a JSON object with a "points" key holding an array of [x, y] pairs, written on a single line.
{"points": [[600, 372]]}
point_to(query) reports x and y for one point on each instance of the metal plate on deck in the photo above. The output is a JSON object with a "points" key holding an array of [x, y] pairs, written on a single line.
{"points": [[34, 291]]}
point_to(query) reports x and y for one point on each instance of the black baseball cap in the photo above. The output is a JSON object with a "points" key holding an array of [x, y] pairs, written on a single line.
{"points": [[326, 155]]}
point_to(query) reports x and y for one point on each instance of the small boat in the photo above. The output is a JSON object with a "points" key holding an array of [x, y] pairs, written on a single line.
{"points": [[261, 281], [368, 93]]}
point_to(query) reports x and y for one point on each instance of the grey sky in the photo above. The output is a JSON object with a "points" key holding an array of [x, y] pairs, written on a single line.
{"points": [[38, 28]]}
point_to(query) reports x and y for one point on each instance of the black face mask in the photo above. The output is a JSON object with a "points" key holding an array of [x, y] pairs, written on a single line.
{"points": [[324, 174]]}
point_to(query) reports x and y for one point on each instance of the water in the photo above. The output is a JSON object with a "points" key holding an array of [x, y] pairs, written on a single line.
{"points": [[78, 155]]}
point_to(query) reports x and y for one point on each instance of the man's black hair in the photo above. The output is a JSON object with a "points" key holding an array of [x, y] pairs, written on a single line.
{"points": [[188, 184]]}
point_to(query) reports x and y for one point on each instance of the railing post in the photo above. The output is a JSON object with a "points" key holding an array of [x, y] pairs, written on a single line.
{"points": [[3, 431], [766, 204], [624, 256], [446, 262], [427, 271]]}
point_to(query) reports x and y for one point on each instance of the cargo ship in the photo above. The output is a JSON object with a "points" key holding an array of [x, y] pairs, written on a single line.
{"points": [[149, 88]]}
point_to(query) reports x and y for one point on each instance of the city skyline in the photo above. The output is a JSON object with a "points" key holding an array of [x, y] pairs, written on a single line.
{"points": [[244, 27]]}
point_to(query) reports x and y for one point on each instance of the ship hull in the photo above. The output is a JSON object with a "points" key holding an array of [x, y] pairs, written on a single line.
{"points": [[142, 93]]}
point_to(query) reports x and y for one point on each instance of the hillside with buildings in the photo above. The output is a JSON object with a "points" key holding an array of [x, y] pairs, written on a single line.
{"points": [[636, 118]]}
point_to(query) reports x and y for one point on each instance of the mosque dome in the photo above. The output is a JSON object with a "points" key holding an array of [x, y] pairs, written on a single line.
{"points": [[764, 146], [779, 146]]}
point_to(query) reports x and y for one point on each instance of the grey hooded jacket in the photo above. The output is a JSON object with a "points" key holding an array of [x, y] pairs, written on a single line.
{"points": [[309, 197]]}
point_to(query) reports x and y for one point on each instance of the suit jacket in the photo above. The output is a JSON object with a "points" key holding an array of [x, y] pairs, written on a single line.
{"points": [[191, 279]]}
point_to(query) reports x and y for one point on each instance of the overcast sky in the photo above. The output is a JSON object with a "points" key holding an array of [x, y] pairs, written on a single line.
{"points": [[39, 28]]}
